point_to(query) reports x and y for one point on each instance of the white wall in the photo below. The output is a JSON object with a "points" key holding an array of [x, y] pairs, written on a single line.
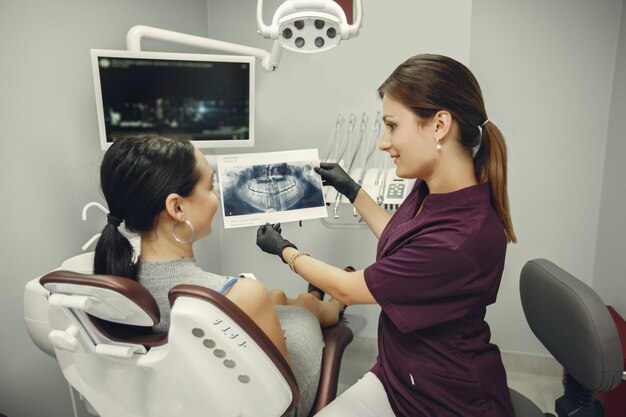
{"points": [[610, 263], [546, 69], [49, 161], [297, 106]]}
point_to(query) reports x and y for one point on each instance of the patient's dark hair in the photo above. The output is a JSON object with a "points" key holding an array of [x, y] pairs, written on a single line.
{"points": [[136, 176]]}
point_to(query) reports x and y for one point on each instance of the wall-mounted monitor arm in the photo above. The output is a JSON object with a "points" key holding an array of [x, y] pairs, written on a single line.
{"points": [[269, 61]]}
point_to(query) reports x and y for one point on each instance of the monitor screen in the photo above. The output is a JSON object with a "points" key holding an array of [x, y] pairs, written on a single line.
{"points": [[208, 99]]}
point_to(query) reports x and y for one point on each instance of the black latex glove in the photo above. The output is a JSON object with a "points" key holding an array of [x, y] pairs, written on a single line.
{"points": [[269, 239], [333, 174]]}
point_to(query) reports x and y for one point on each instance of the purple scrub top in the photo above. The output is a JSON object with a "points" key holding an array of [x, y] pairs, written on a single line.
{"points": [[434, 276]]}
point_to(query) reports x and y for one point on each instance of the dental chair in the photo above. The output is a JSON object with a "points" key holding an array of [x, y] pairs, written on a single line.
{"points": [[573, 323], [214, 361]]}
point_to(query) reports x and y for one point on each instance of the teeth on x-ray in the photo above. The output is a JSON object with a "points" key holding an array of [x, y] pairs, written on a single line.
{"points": [[275, 187]]}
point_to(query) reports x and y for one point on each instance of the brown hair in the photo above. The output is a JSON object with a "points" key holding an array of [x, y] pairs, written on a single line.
{"points": [[430, 83]]}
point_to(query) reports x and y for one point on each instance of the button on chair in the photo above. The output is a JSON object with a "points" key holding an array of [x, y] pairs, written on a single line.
{"points": [[214, 361], [573, 323]]}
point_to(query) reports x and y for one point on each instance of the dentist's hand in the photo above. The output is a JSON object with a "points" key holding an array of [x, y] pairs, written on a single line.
{"points": [[333, 174], [269, 239]]}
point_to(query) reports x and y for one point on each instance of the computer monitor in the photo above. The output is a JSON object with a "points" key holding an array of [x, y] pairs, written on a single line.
{"points": [[208, 99]]}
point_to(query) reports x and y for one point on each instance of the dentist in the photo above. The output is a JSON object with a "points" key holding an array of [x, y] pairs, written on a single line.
{"points": [[440, 257]]}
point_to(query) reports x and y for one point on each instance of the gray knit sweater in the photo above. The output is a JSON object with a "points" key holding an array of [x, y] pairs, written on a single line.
{"points": [[302, 331]]}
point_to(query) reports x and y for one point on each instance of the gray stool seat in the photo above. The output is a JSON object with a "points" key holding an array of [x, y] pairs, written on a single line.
{"points": [[573, 323]]}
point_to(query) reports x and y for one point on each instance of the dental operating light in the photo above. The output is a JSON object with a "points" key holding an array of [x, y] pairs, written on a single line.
{"points": [[299, 25], [310, 26]]}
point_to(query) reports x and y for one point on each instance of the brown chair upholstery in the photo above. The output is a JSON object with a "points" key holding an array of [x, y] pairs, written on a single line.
{"points": [[336, 339]]}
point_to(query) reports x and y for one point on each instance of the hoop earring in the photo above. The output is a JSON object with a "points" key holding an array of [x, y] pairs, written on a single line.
{"points": [[178, 239]]}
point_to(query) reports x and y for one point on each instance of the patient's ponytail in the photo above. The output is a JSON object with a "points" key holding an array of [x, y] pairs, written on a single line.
{"points": [[429, 83], [136, 176], [114, 254]]}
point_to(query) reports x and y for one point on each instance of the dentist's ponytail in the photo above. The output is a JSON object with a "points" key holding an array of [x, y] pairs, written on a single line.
{"points": [[136, 176], [429, 83], [490, 163]]}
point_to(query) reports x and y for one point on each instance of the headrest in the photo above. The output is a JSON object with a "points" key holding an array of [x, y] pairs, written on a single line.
{"points": [[111, 298], [573, 323]]}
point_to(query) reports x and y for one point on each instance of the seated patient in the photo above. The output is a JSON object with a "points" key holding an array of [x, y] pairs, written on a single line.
{"points": [[163, 189]]}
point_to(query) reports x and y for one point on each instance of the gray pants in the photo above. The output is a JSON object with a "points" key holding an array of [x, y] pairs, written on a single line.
{"points": [[304, 341], [366, 398]]}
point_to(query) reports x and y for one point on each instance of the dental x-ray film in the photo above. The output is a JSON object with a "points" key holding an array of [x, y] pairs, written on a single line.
{"points": [[270, 187]]}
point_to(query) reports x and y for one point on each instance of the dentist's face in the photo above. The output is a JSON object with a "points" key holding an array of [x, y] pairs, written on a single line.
{"points": [[411, 145]]}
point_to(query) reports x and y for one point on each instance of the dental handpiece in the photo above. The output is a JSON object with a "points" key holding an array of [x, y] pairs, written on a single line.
{"points": [[346, 138], [375, 133], [333, 147], [346, 142], [359, 145], [359, 141], [334, 136], [381, 189]]}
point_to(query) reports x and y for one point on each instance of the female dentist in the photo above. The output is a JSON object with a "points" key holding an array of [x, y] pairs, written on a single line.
{"points": [[440, 257]]}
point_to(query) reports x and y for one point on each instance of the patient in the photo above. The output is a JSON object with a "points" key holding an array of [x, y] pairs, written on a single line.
{"points": [[163, 189]]}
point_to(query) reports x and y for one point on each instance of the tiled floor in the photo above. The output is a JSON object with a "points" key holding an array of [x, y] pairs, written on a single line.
{"points": [[538, 378]]}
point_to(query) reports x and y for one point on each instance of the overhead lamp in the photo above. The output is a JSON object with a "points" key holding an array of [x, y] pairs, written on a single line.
{"points": [[307, 26], [310, 26]]}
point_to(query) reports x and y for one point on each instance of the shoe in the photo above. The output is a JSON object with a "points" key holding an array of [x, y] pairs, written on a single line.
{"points": [[342, 312], [313, 288]]}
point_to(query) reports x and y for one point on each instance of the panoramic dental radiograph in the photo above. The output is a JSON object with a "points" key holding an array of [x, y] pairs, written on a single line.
{"points": [[270, 187]]}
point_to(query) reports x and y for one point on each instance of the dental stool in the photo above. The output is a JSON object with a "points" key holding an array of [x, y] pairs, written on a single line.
{"points": [[573, 323], [214, 361]]}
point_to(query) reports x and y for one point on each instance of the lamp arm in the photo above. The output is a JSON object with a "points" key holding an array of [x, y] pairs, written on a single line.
{"points": [[355, 27], [134, 36], [274, 57], [264, 30]]}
